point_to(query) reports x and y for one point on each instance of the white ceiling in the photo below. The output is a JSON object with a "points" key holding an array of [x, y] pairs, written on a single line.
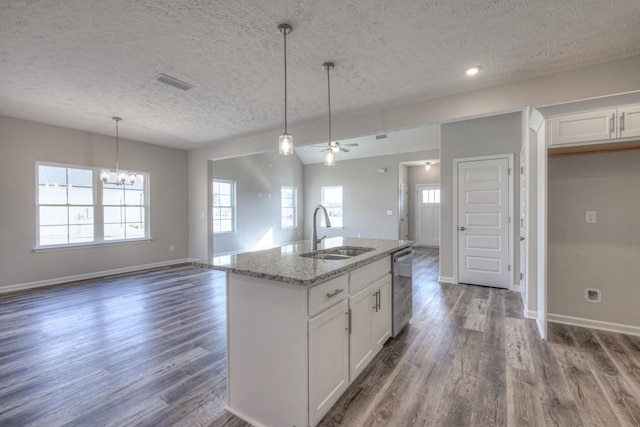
{"points": [[76, 63]]}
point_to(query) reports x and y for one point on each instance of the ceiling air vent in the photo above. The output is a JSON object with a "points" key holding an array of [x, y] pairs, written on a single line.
{"points": [[381, 136], [173, 82]]}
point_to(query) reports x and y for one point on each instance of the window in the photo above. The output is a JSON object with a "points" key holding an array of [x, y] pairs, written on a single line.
{"points": [[124, 209], [288, 211], [332, 200], [431, 196], [224, 201], [65, 205], [72, 210]]}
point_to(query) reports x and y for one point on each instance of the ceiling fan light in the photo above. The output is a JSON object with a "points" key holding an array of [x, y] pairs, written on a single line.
{"points": [[334, 146], [132, 178], [286, 145], [122, 177], [104, 175]]}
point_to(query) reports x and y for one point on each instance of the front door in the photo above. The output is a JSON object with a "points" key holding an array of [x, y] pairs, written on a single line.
{"points": [[428, 215], [483, 222]]}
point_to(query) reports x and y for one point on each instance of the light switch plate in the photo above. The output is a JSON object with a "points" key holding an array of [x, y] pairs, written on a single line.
{"points": [[590, 217], [389, 212]]}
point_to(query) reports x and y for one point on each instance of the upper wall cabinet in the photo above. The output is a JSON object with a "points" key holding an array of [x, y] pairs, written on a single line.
{"points": [[599, 125]]}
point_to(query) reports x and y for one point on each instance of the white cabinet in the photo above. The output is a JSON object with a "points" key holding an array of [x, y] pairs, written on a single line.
{"points": [[599, 125], [629, 121], [382, 314], [370, 323], [328, 359]]}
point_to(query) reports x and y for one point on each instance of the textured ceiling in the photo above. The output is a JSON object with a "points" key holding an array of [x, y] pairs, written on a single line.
{"points": [[76, 63]]}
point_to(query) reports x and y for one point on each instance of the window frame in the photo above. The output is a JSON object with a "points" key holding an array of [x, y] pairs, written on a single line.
{"points": [[98, 210], [233, 206], [329, 208], [294, 206]]}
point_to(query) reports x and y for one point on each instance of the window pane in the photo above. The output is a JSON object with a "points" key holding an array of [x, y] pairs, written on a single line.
{"points": [[133, 197], [113, 215], [135, 231], [52, 195], [80, 196], [53, 215], [81, 233], [54, 235], [226, 225], [80, 215], [134, 214], [80, 177], [113, 231], [224, 200], [113, 196], [437, 196], [50, 175]]}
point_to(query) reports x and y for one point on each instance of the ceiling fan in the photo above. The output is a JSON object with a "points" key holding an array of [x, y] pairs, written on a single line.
{"points": [[336, 146]]}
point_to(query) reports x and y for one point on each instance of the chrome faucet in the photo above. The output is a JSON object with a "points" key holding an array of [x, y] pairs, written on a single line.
{"points": [[314, 235]]}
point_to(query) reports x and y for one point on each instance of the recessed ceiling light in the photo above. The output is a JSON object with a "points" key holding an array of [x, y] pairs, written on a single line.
{"points": [[472, 71]]}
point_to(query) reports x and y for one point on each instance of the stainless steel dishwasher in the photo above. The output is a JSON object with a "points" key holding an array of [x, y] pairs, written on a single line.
{"points": [[402, 289]]}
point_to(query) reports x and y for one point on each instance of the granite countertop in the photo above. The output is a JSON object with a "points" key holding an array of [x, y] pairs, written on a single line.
{"points": [[284, 263]]}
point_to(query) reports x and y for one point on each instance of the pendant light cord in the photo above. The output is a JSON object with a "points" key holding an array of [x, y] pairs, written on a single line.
{"points": [[329, 98], [285, 81], [117, 149]]}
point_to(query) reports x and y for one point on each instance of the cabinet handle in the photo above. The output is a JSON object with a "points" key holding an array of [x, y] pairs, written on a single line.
{"points": [[379, 298], [612, 123], [622, 122], [375, 300], [334, 293], [348, 313]]}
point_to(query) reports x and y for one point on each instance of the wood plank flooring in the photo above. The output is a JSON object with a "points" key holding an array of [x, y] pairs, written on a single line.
{"points": [[148, 349]]}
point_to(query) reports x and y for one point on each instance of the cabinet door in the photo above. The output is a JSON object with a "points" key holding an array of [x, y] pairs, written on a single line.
{"points": [[361, 352], [328, 359], [583, 127], [629, 121], [382, 315]]}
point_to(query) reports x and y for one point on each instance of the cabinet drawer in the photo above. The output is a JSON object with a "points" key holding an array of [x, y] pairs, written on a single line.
{"points": [[326, 294], [368, 274]]}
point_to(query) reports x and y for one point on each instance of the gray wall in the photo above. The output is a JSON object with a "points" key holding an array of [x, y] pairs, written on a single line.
{"points": [[258, 180], [587, 82], [419, 175], [500, 134], [367, 194], [22, 143], [604, 255]]}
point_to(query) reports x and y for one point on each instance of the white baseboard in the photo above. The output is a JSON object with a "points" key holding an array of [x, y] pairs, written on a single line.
{"points": [[444, 279], [594, 324], [59, 280]]}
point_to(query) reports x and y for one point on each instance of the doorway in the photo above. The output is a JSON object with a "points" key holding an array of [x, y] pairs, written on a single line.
{"points": [[483, 214], [428, 215]]}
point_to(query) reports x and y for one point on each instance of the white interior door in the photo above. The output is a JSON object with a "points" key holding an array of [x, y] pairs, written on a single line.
{"points": [[523, 219], [483, 222], [428, 215], [404, 212]]}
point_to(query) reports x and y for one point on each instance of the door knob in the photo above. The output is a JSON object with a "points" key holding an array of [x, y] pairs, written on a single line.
{"points": [[521, 238], [461, 228]]}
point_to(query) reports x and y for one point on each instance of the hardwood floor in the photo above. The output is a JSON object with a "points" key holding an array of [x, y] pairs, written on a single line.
{"points": [[149, 349]]}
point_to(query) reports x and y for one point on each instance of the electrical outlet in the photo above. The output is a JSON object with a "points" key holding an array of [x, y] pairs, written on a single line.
{"points": [[590, 217], [592, 295]]}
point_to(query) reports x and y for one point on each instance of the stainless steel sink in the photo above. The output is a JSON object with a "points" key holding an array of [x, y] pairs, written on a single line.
{"points": [[337, 253]]}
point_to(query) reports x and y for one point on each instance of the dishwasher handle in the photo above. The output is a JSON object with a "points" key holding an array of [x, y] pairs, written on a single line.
{"points": [[400, 257]]}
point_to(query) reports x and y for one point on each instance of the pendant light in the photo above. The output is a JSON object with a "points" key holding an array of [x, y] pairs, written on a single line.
{"points": [[285, 147], [121, 176], [334, 146]]}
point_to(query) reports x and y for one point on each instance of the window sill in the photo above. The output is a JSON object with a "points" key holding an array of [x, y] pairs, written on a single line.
{"points": [[89, 245]]}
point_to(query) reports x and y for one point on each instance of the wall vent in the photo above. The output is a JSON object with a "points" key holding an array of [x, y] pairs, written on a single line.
{"points": [[168, 80], [592, 295], [381, 136]]}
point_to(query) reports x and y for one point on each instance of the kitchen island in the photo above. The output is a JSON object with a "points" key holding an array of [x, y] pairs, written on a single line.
{"points": [[301, 329]]}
